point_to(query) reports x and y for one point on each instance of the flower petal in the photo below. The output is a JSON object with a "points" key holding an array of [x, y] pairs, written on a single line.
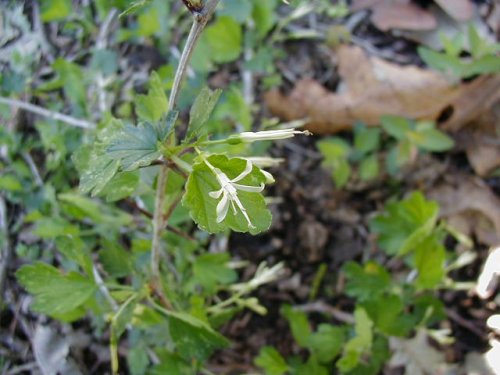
{"points": [[216, 194], [251, 189], [222, 208], [243, 174]]}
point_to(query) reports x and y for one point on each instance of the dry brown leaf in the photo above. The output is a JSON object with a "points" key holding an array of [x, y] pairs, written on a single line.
{"points": [[387, 16], [467, 197], [372, 87], [363, 4], [417, 355], [461, 10], [397, 14], [407, 15], [481, 141]]}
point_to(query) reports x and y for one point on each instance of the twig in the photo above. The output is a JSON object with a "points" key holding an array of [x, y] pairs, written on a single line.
{"points": [[27, 367], [31, 164], [101, 44], [453, 315], [247, 75], [5, 250], [199, 22], [46, 113], [322, 307], [102, 288]]}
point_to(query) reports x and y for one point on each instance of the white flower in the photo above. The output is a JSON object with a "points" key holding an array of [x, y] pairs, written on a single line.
{"points": [[229, 192], [263, 275], [265, 161], [269, 135]]}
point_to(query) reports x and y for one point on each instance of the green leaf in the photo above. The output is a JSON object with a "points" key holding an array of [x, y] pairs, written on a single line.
{"points": [[73, 248], [202, 109], [442, 62], [396, 126], [431, 140], [374, 361], [398, 156], [210, 270], [9, 182], [121, 186], [299, 324], [341, 173], [224, 37], [135, 147], [115, 260], [485, 65], [153, 106], [271, 361], [193, 338], [311, 367], [264, 16], [54, 292], [72, 79], [52, 227], [55, 10], [369, 168], [388, 315], [452, 46], [335, 152], [360, 344], [104, 61], [429, 260], [100, 171], [202, 206], [365, 282], [137, 360], [366, 139], [476, 43], [171, 364], [240, 11], [134, 7], [96, 168], [327, 342], [333, 149], [405, 224]]}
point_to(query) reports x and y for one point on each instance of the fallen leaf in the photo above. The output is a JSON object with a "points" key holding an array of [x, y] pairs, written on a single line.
{"points": [[483, 151], [475, 99], [406, 16], [468, 196], [363, 4], [461, 10], [416, 355], [52, 352], [372, 87], [449, 27]]}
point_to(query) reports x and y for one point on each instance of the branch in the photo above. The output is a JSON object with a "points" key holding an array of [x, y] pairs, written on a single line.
{"points": [[46, 113], [199, 22], [5, 249]]}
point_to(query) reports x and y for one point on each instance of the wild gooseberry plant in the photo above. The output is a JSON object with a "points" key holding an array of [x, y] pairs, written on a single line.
{"points": [[394, 312], [165, 297]]}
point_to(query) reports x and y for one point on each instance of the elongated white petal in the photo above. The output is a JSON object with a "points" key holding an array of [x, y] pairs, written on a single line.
{"points": [[222, 208], [216, 194], [269, 135], [251, 189], [269, 177], [246, 171]]}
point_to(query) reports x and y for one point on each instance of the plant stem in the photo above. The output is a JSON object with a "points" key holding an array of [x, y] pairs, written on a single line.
{"points": [[199, 22]]}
